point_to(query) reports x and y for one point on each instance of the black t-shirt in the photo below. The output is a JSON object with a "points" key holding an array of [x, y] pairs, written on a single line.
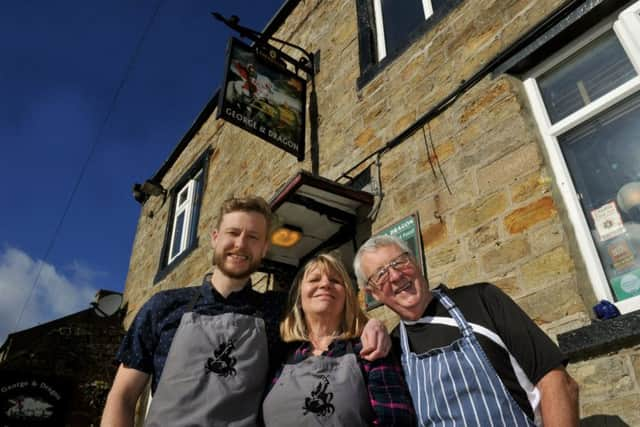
{"points": [[486, 305]]}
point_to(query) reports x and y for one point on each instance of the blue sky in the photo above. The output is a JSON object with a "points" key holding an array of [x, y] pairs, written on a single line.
{"points": [[61, 64]]}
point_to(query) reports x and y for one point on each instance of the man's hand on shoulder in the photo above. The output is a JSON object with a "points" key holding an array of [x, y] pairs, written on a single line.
{"points": [[376, 342]]}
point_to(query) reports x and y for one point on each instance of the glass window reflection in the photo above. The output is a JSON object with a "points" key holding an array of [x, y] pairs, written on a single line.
{"points": [[585, 76], [603, 156]]}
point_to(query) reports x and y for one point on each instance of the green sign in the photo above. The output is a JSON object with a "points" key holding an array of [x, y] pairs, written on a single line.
{"points": [[626, 285]]}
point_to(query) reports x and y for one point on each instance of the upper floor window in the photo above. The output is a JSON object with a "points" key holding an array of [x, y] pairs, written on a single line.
{"points": [[181, 235], [185, 218], [586, 101], [386, 28], [396, 20]]}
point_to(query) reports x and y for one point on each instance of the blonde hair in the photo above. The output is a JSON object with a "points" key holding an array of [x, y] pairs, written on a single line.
{"points": [[294, 326]]}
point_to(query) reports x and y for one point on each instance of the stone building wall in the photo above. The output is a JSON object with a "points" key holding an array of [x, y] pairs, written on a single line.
{"points": [[503, 221], [610, 385]]}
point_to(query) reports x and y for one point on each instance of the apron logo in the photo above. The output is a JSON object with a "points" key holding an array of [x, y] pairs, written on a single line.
{"points": [[320, 401], [222, 363]]}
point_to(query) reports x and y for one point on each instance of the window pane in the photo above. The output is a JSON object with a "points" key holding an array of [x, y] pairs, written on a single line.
{"points": [[603, 156], [591, 72], [182, 197], [178, 229], [400, 19], [195, 211]]}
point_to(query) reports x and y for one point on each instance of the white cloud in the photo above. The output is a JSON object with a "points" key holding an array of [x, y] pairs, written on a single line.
{"points": [[55, 294]]}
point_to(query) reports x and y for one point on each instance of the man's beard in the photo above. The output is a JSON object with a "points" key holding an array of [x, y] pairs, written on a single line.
{"points": [[218, 262]]}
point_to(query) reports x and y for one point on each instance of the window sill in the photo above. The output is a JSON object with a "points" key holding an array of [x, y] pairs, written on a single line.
{"points": [[601, 337], [164, 271]]}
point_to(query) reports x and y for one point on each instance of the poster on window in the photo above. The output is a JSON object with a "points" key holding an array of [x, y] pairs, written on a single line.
{"points": [[408, 230], [626, 285], [608, 221], [621, 255], [264, 98]]}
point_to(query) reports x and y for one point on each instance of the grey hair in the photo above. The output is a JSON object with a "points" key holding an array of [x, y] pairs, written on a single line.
{"points": [[371, 245]]}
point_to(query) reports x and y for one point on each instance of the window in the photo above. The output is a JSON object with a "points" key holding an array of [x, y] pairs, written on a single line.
{"points": [[395, 20], [181, 235], [386, 28], [586, 101], [185, 218]]}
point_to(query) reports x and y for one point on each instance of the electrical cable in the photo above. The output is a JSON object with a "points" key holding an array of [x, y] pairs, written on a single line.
{"points": [[92, 150], [426, 145], [435, 154]]}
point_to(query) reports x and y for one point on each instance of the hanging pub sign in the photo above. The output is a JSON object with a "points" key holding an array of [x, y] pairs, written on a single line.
{"points": [[407, 230], [264, 98], [29, 400]]}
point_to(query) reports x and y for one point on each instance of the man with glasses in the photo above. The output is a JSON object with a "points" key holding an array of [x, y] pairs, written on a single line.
{"points": [[469, 354]]}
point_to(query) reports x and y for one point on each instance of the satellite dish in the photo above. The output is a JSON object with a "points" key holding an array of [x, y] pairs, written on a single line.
{"points": [[107, 305]]}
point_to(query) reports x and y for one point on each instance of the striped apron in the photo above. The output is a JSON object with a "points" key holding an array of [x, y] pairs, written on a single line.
{"points": [[456, 385]]}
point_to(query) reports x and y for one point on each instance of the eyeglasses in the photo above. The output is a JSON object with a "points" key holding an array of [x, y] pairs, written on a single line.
{"points": [[378, 279]]}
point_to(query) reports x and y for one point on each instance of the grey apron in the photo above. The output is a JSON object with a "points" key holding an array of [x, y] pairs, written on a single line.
{"points": [[319, 391], [215, 373]]}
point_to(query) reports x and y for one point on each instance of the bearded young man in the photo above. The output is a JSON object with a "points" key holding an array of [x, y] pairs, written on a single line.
{"points": [[470, 355], [207, 349]]}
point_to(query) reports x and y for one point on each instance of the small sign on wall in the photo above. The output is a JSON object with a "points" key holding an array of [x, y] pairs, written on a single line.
{"points": [[32, 400], [263, 97], [407, 230]]}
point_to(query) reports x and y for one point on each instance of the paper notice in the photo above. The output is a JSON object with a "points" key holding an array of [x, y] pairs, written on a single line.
{"points": [[608, 221]]}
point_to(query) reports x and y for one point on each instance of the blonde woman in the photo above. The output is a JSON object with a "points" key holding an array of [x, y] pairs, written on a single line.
{"points": [[324, 381]]}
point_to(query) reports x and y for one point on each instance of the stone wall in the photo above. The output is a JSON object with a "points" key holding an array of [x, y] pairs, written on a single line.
{"points": [[610, 385], [503, 221]]}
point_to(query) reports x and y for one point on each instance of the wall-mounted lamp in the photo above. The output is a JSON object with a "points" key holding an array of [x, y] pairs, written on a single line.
{"points": [[141, 192], [629, 196], [286, 236]]}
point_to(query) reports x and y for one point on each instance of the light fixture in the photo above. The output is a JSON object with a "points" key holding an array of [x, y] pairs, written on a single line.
{"points": [[141, 192], [628, 196], [286, 236]]}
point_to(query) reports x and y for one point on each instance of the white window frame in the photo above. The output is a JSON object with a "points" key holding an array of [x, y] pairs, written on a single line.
{"points": [[186, 207], [379, 24], [627, 28]]}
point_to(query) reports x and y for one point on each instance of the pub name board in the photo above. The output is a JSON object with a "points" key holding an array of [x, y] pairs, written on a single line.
{"points": [[263, 97]]}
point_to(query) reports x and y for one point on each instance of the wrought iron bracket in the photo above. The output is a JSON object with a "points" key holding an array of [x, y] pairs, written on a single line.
{"points": [[305, 64]]}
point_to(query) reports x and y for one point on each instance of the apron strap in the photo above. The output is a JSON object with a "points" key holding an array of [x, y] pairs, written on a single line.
{"points": [[404, 339], [349, 349], [194, 300], [454, 311], [465, 329]]}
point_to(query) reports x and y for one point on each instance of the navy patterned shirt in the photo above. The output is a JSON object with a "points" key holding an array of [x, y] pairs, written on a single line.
{"points": [[146, 345]]}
